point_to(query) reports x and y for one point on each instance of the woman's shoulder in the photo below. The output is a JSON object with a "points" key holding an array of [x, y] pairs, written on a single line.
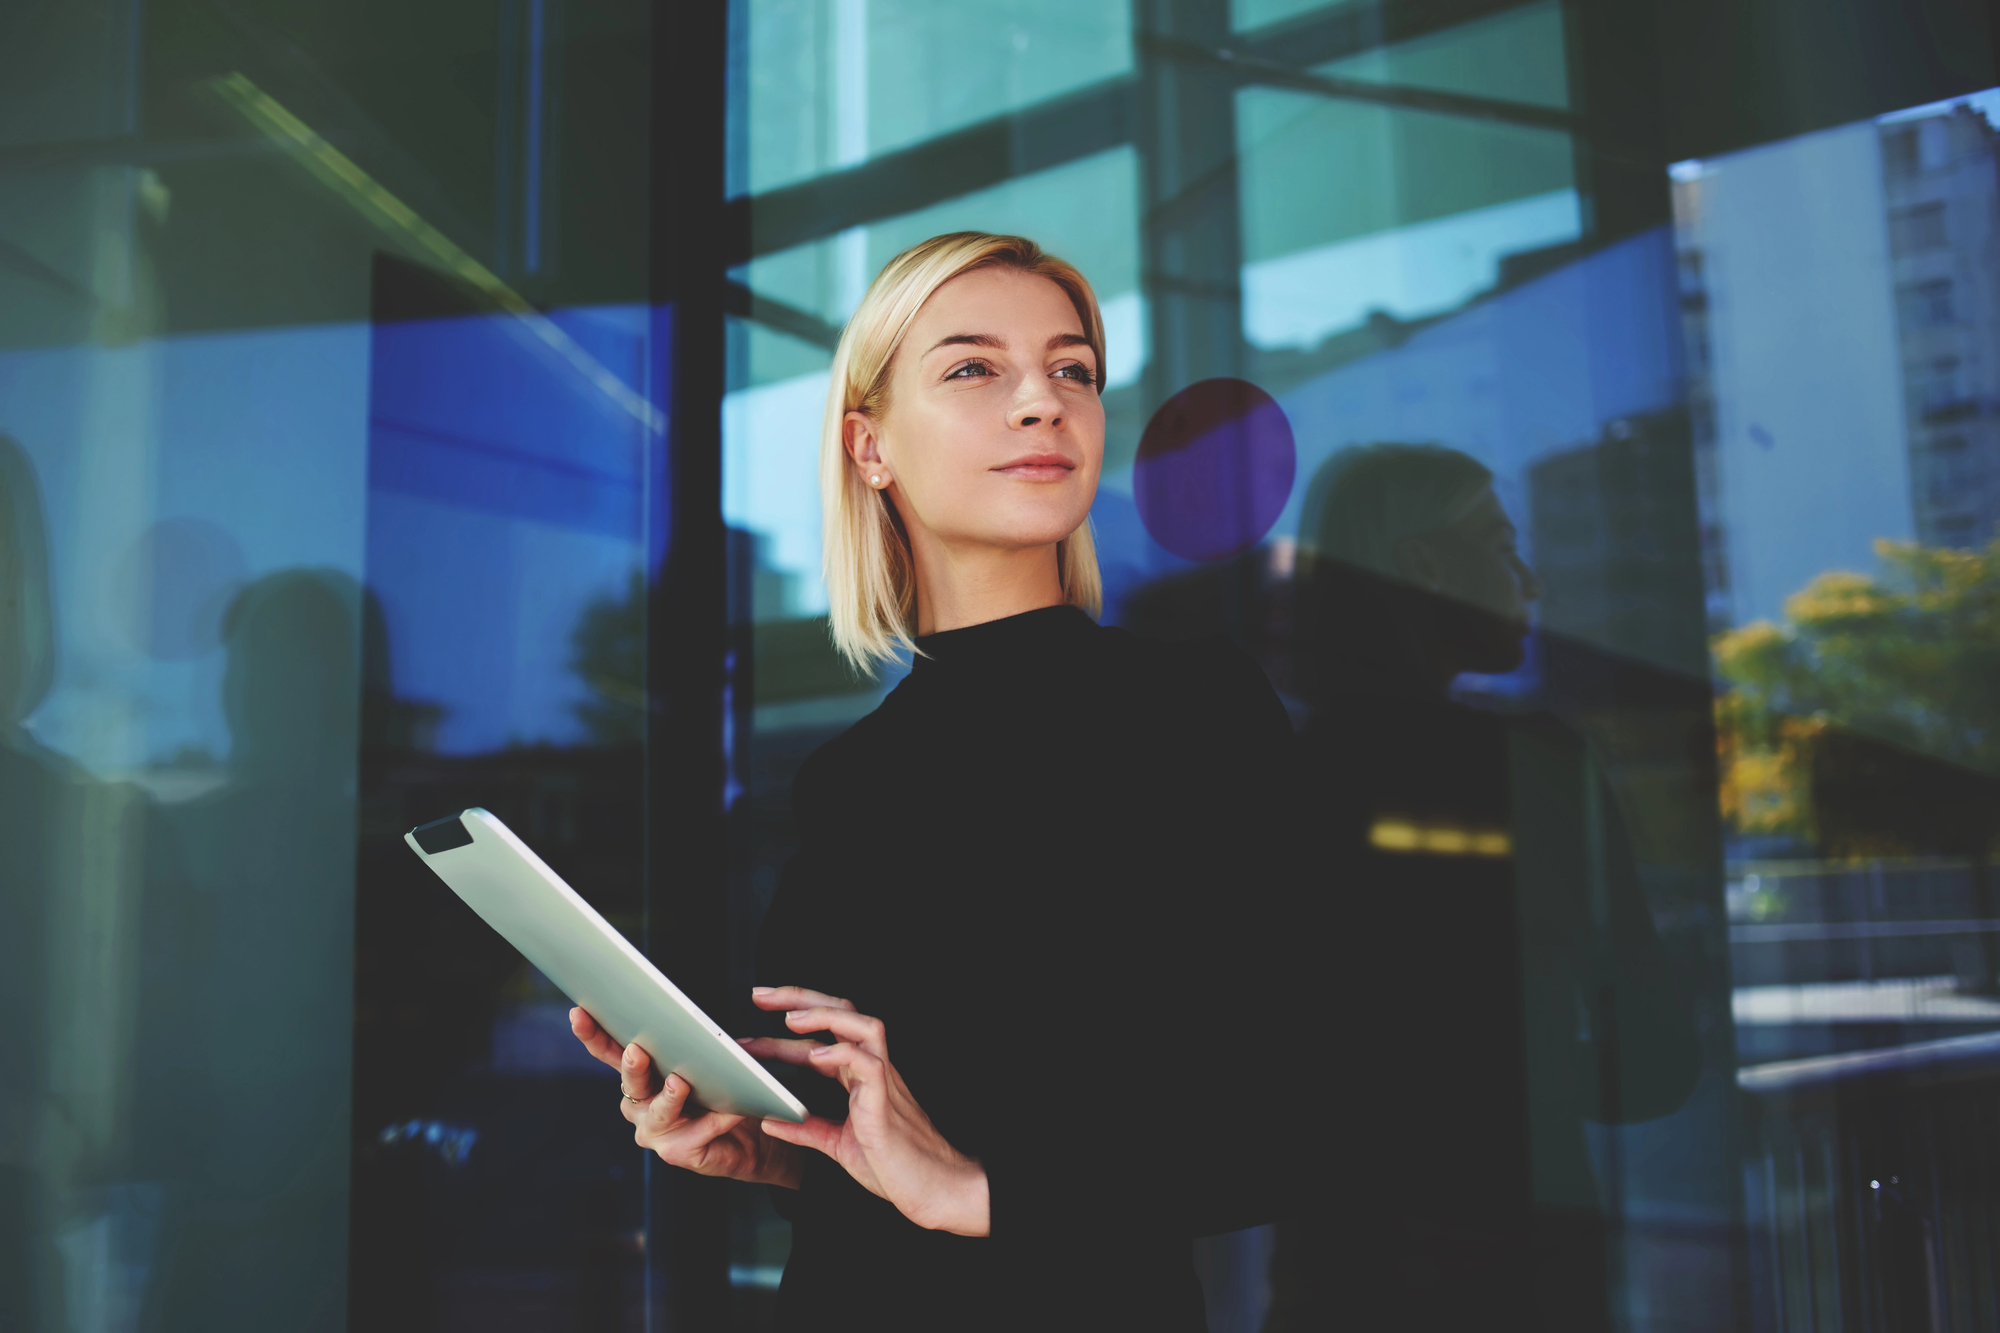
{"points": [[1205, 675], [844, 758]]}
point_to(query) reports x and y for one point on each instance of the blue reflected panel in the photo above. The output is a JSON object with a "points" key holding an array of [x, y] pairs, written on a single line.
{"points": [[505, 487], [1528, 372]]}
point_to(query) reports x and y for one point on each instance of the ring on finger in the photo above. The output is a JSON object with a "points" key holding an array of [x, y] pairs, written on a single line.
{"points": [[638, 1100]]}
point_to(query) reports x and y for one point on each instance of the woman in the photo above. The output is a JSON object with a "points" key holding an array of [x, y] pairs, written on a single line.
{"points": [[1028, 897]]}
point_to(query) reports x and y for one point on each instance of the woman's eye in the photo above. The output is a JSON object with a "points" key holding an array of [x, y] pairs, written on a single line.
{"points": [[970, 370], [1078, 372]]}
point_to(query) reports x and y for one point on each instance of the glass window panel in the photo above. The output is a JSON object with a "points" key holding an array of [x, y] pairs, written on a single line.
{"points": [[1514, 56], [832, 83], [1854, 730], [1350, 208], [1247, 14], [934, 68], [321, 496]]}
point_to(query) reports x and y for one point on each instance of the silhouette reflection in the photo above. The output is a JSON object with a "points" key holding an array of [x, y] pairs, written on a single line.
{"points": [[1506, 971], [270, 854]]}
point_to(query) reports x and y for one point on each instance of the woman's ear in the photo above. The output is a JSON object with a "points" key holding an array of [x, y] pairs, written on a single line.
{"points": [[857, 433]]}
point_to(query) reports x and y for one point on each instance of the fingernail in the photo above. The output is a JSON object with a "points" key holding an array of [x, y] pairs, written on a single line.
{"points": [[631, 1055], [760, 990]]}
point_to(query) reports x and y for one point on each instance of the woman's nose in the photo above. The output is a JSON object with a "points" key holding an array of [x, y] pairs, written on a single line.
{"points": [[1034, 405], [1531, 582]]}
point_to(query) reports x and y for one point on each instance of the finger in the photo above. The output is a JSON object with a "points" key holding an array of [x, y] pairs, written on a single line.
{"points": [[653, 1115], [689, 1137], [865, 1032], [794, 997], [815, 1133], [594, 1038], [635, 1073], [777, 1048], [846, 1062]]}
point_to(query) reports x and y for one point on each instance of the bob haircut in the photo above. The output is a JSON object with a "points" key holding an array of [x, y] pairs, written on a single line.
{"points": [[871, 585]]}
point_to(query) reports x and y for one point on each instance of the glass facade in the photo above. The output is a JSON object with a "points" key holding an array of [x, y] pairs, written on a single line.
{"points": [[405, 408]]}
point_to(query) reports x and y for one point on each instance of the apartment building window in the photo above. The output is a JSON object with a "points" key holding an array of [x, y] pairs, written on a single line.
{"points": [[1934, 386], [1912, 230], [1926, 305], [1901, 153]]}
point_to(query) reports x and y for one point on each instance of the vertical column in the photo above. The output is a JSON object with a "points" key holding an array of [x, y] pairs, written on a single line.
{"points": [[1191, 224], [1615, 91], [1191, 232], [687, 635]]}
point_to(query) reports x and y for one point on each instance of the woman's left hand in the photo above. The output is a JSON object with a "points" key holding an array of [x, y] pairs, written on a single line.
{"points": [[886, 1143]]}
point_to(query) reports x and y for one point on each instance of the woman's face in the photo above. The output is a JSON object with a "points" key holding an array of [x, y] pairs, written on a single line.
{"points": [[1477, 560], [994, 432], [1477, 564]]}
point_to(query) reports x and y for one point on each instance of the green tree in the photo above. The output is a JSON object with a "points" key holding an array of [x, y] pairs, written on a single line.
{"points": [[1910, 656], [608, 653]]}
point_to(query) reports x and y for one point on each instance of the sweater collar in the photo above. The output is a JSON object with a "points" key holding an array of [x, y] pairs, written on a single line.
{"points": [[1029, 634]]}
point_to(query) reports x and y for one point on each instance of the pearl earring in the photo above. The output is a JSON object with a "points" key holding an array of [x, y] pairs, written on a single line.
{"points": [[877, 480]]}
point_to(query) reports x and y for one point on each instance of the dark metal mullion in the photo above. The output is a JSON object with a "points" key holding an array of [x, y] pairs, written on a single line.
{"points": [[788, 319], [687, 632], [1351, 29], [1259, 70]]}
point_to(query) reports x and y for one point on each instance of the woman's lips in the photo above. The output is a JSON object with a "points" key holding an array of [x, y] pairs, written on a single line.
{"points": [[1038, 467]]}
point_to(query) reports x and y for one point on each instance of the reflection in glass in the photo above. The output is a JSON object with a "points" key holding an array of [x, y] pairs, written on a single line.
{"points": [[1851, 570], [1513, 964]]}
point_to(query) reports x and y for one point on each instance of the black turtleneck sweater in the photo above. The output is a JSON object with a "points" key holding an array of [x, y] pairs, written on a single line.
{"points": [[1047, 863]]}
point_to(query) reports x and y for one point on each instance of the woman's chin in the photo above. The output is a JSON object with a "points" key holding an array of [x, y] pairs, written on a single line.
{"points": [[1026, 531]]}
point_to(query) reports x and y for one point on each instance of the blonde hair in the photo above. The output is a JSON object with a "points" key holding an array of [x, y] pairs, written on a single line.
{"points": [[871, 585]]}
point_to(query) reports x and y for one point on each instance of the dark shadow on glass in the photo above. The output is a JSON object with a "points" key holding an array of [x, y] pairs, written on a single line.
{"points": [[269, 856], [1501, 959]]}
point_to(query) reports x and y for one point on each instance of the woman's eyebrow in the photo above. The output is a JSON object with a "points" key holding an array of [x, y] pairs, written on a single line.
{"points": [[999, 344], [970, 340]]}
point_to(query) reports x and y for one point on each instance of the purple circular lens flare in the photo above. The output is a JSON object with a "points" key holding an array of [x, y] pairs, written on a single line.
{"points": [[1214, 470]]}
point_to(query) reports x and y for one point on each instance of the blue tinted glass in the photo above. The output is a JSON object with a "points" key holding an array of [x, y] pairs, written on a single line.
{"points": [[323, 489]]}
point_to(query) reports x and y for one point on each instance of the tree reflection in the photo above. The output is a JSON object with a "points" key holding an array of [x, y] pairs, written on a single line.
{"points": [[608, 654], [1910, 656]]}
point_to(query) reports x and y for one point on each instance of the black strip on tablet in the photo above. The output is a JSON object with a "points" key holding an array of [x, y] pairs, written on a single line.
{"points": [[441, 835]]}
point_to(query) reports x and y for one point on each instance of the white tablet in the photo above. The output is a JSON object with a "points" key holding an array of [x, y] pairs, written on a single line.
{"points": [[560, 933]]}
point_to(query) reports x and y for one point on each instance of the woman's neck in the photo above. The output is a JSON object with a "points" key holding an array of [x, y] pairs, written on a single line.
{"points": [[960, 586]]}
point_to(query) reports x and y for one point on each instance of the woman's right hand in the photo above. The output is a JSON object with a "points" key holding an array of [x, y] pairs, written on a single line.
{"points": [[710, 1144]]}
